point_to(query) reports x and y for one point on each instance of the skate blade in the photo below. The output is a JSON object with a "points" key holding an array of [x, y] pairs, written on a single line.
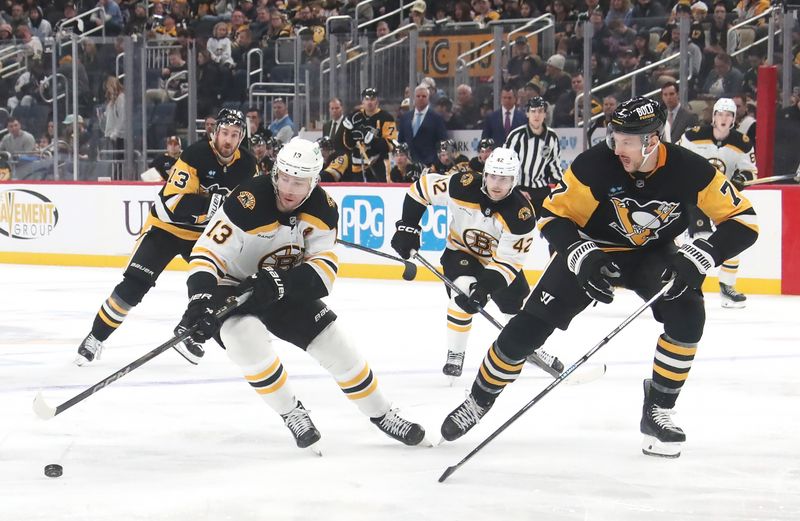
{"points": [[315, 449], [451, 380], [651, 446], [427, 443], [440, 442], [729, 304]]}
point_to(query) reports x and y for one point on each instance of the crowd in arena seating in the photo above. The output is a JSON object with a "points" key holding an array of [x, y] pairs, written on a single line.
{"points": [[627, 35]]}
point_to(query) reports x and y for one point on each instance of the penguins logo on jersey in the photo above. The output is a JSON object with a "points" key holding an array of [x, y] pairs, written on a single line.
{"points": [[479, 242], [640, 223], [217, 189], [717, 163], [283, 258]]}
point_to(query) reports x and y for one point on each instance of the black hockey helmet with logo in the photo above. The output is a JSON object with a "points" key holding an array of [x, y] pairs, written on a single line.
{"points": [[257, 140], [447, 145], [535, 103], [638, 115], [369, 92], [325, 143], [231, 118], [486, 143], [401, 148]]}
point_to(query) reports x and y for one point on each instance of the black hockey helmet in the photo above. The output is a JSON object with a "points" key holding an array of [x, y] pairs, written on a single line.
{"points": [[486, 144], [638, 115], [325, 143], [369, 92], [535, 103], [231, 117], [447, 145], [401, 148], [257, 140]]}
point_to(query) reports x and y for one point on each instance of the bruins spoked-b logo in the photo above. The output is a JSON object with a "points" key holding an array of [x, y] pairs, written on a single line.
{"points": [[282, 258], [640, 223], [717, 163], [479, 242]]}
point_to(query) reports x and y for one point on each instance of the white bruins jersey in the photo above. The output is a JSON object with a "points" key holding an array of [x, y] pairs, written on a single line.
{"points": [[733, 153], [499, 234], [249, 233]]}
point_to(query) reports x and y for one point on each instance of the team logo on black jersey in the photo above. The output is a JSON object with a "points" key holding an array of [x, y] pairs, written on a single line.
{"points": [[283, 258], [466, 179], [247, 200], [525, 213], [717, 163], [479, 242], [640, 223]]}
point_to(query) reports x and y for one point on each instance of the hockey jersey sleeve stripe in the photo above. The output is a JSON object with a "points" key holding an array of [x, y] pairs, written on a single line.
{"points": [[720, 201], [572, 200], [465, 204], [316, 222], [419, 192], [329, 255], [510, 265], [201, 257], [172, 202], [265, 228], [210, 255]]}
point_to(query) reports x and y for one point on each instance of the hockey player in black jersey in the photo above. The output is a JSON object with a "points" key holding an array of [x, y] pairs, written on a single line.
{"points": [[491, 233], [613, 220], [163, 163], [198, 183], [446, 157], [369, 136], [475, 164], [405, 170], [276, 236]]}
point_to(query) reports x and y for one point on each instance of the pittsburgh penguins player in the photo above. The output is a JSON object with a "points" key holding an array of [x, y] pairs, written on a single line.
{"points": [[475, 164], [198, 183], [276, 236], [447, 157], [730, 152], [405, 170], [369, 135], [613, 220], [490, 237]]}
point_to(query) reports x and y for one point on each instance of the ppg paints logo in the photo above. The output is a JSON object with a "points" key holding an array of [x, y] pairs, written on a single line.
{"points": [[25, 214], [363, 220], [434, 228]]}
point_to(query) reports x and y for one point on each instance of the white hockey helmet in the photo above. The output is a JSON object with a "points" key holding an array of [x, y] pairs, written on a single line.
{"points": [[299, 158], [502, 162], [724, 105]]}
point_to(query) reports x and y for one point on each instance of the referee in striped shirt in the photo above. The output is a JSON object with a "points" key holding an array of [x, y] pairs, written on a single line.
{"points": [[538, 151]]}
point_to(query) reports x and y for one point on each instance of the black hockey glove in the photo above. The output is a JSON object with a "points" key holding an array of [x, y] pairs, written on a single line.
{"points": [[476, 300], [266, 284], [738, 179], [406, 239], [594, 269], [689, 266], [201, 313]]}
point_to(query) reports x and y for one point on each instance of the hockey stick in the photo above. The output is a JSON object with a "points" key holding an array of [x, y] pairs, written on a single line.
{"points": [[365, 158], [409, 270], [773, 179], [563, 376], [535, 360], [45, 411]]}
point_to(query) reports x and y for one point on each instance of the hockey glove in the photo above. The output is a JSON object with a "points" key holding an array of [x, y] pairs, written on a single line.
{"points": [[480, 291], [689, 266], [201, 313], [406, 239], [594, 270], [369, 134], [266, 284], [738, 179]]}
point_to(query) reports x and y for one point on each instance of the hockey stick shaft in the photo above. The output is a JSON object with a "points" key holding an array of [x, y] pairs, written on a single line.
{"points": [[409, 271], [449, 283], [46, 412], [563, 376], [772, 179]]}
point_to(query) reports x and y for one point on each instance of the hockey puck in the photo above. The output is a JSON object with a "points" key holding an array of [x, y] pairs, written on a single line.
{"points": [[53, 470]]}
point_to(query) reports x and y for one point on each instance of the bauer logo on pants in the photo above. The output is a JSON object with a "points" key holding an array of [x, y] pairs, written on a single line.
{"points": [[363, 220], [434, 228], [25, 214]]}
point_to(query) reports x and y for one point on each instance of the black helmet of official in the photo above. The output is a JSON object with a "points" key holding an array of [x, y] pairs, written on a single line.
{"points": [[486, 143], [638, 115], [231, 118], [535, 103]]}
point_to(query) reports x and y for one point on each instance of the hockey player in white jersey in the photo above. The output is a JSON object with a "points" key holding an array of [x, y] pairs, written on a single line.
{"points": [[275, 236], [491, 233], [730, 152]]}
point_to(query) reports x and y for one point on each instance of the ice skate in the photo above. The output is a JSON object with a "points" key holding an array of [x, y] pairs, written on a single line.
{"points": [[189, 349], [454, 365], [731, 298], [90, 349], [661, 437], [394, 426], [305, 433], [463, 418], [547, 362]]}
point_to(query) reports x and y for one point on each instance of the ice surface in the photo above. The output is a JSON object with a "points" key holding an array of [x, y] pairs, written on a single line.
{"points": [[172, 441]]}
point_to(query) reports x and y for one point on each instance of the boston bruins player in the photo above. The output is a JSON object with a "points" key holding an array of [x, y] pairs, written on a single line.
{"points": [[491, 234], [276, 235], [369, 135], [613, 219], [198, 183], [730, 152]]}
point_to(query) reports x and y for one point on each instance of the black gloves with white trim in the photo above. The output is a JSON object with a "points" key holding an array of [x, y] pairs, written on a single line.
{"points": [[689, 266], [594, 270], [405, 240], [480, 291]]}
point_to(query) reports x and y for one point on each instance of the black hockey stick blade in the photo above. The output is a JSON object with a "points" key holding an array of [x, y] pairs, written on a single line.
{"points": [[45, 411], [563, 376], [409, 271]]}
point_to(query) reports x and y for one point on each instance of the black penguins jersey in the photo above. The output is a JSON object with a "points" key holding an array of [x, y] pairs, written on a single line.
{"points": [[441, 168], [474, 165], [249, 233], [499, 234], [163, 164], [598, 200], [182, 207], [734, 153]]}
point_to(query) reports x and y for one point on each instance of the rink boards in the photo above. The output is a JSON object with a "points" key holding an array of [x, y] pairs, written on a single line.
{"points": [[96, 224]]}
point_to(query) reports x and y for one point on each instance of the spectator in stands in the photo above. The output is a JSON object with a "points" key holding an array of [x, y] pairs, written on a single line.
{"points": [[505, 119], [238, 21], [422, 128], [69, 13], [641, 46], [137, 20], [26, 87], [219, 45], [17, 141], [168, 28], [6, 33], [261, 24], [601, 35], [747, 9], [564, 18], [175, 64], [282, 126], [209, 124], [444, 107], [620, 10], [558, 81], [621, 38], [467, 106], [678, 118], [484, 12], [42, 144], [214, 78], [16, 16], [242, 43], [610, 103], [564, 111], [417, 14], [248, 9], [255, 126], [718, 32], [724, 80], [278, 28], [522, 66], [699, 13], [510, 10], [113, 21], [311, 53], [671, 69], [32, 44], [648, 14], [40, 26], [115, 125]]}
